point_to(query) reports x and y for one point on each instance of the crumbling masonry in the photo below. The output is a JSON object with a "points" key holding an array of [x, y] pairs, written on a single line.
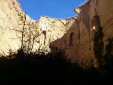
{"points": [[74, 35]]}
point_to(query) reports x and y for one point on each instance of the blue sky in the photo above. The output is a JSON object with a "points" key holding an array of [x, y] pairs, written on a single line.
{"points": [[52, 8]]}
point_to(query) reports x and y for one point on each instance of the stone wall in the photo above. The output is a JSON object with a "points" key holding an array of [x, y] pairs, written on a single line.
{"points": [[74, 35], [18, 30], [87, 13], [50, 29], [9, 20], [80, 31], [12, 21], [104, 10]]}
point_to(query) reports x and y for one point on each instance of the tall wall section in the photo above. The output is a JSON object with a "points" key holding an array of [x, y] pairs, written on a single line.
{"points": [[80, 31], [91, 16], [14, 24], [50, 29], [18, 30], [74, 36], [103, 10]]}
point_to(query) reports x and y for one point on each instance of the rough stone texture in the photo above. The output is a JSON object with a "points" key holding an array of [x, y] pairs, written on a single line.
{"points": [[83, 28], [87, 26], [50, 29], [104, 9], [9, 21], [12, 20], [74, 36], [18, 30]]}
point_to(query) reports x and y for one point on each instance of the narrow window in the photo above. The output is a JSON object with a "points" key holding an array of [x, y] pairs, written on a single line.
{"points": [[93, 30], [96, 22], [71, 39], [95, 25], [44, 32]]}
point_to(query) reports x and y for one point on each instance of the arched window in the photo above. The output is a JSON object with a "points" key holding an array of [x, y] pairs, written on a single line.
{"points": [[95, 25], [44, 32], [93, 29], [71, 39], [97, 22]]}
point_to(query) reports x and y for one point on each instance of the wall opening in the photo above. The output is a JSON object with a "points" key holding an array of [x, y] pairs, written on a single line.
{"points": [[93, 29], [95, 25], [71, 39], [44, 32], [97, 22]]}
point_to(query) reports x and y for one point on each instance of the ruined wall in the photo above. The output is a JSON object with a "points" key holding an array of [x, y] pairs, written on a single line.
{"points": [[92, 15], [80, 31], [9, 19], [18, 30], [85, 44], [12, 20], [105, 16], [51, 29], [104, 10], [74, 36]]}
